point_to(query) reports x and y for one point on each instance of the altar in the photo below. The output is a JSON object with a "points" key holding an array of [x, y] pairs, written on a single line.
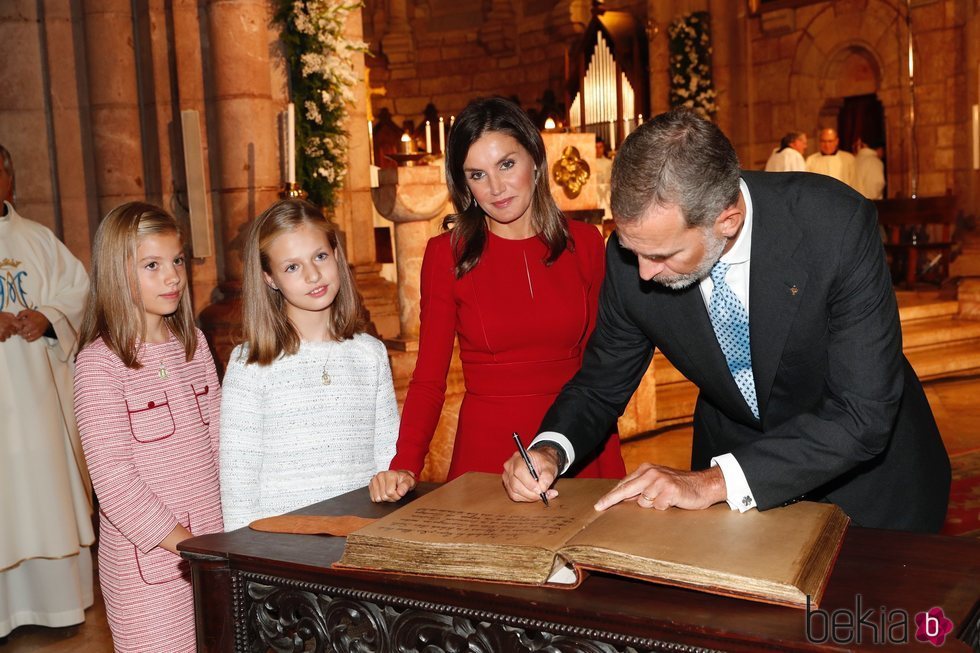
{"points": [[273, 592]]}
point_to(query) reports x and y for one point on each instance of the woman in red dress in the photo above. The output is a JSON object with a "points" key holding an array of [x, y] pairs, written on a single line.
{"points": [[518, 284]]}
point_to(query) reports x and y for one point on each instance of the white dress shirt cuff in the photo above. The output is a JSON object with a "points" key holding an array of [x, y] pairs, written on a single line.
{"points": [[558, 440], [739, 493]]}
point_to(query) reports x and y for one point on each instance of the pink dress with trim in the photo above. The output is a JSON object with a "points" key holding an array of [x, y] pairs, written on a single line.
{"points": [[151, 443]]}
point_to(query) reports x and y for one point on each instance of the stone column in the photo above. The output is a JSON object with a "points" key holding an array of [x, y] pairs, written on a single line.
{"points": [[397, 43], [189, 82], [113, 102], [73, 161], [244, 153], [660, 15], [728, 19], [411, 198], [355, 210]]}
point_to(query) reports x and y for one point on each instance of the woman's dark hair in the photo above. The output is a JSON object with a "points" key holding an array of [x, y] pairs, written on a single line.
{"points": [[469, 235]]}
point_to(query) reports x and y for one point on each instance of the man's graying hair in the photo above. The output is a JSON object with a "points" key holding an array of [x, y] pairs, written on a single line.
{"points": [[676, 159]]}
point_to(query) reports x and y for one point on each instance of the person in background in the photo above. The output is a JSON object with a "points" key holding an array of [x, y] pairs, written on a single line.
{"points": [[830, 160], [309, 407], [869, 171], [147, 402], [788, 157], [602, 174], [518, 284], [45, 492]]}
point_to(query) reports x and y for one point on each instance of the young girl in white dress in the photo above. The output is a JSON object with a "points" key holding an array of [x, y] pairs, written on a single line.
{"points": [[308, 408]]}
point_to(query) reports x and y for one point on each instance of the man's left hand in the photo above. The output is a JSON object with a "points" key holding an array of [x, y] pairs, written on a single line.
{"points": [[32, 324], [653, 486]]}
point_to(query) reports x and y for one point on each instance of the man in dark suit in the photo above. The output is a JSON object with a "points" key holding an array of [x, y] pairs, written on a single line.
{"points": [[770, 292]]}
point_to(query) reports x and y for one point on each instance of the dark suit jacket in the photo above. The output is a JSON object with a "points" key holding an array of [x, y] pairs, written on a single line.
{"points": [[843, 417]]}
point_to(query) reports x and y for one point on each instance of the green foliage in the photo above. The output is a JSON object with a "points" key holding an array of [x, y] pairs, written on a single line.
{"points": [[321, 76], [690, 64]]}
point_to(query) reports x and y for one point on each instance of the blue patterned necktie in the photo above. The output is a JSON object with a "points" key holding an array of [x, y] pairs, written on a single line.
{"points": [[730, 321]]}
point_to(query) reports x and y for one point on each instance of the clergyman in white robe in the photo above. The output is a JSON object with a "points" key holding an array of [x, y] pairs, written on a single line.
{"points": [[45, 493], [785, 160]]}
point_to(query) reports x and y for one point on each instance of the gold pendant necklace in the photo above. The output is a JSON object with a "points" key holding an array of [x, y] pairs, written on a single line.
{"points": [[162, 372], [325, 376]]}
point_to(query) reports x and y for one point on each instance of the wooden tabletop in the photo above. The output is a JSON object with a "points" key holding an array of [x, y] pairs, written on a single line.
{"points": [[887, 576]]}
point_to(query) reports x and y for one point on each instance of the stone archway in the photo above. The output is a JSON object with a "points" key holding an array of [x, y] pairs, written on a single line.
{"points": [[836, 44], [853, 76]]}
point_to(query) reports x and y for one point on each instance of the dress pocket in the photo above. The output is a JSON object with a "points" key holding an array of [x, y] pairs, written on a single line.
{"points": [[161, 566], [150, 417], [203, 399]]}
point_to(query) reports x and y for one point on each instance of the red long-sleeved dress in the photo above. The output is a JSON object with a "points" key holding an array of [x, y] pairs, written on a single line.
{"points": [[522, 327]]}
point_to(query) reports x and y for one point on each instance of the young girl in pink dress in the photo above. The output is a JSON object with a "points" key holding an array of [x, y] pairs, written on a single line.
{"points": [[147, 403]]}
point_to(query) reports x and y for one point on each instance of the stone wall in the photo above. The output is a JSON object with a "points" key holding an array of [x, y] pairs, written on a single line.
{"points": [[807, 58], [447, 52], [786, 67], [42, 91], [90, 100]]}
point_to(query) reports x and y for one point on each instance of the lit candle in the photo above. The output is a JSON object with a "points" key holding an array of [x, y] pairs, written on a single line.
{"points": [[452, 121], [428, 137], [371, 142], [406, 145], [639, 119], [291, 143], [284, 145], [442, 135], [612, 134]]}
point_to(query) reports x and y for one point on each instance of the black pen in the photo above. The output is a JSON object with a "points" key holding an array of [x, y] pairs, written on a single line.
{"points": [[530, 467]]}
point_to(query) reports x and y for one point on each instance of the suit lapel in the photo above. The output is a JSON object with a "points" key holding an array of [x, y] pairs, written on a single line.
{"points": [[777, 282]]}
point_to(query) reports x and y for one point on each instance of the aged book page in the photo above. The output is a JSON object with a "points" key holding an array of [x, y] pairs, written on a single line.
{"points": [[469, 528], [779, 555]]}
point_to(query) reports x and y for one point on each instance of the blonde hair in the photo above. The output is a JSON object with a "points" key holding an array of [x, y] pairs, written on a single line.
{"points": [[265, 326], [114, 310]]}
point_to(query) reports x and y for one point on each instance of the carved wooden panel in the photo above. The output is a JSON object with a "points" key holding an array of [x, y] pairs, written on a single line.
{"points": [[288, 616]]}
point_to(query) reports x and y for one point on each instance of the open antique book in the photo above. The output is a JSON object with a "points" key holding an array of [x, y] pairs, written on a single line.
{"points": [[469, 528]]}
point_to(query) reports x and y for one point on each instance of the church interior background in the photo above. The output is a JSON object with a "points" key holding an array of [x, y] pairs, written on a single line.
{"points": [[92, 94]]}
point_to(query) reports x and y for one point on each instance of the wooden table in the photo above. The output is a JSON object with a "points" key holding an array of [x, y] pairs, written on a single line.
{"points": [[262, 591]]}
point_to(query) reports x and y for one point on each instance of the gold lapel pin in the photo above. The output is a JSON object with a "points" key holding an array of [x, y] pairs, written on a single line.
{"points": [[793, 290]]}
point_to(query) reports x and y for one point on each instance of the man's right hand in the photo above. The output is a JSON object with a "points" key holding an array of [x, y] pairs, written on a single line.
{"points": [[391, 485], [519, 483]]}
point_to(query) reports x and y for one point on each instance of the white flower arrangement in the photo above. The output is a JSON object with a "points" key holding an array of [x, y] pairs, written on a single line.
{"points": [[321, 71], [690, 64]]}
